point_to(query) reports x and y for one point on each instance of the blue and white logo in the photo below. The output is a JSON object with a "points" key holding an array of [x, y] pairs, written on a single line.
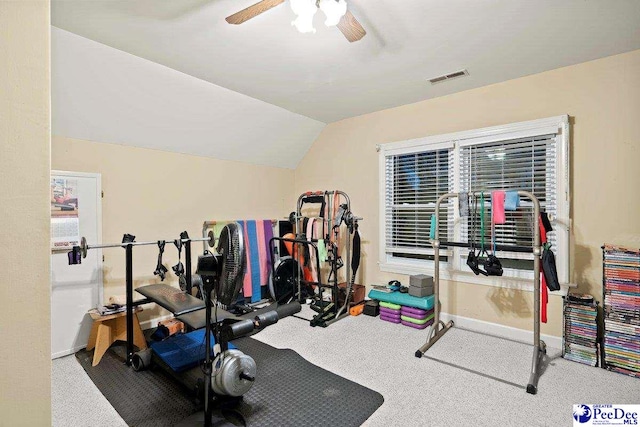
{"points": [[606, 415], [582, 413]]}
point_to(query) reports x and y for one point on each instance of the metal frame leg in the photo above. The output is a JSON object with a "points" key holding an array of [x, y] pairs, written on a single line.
{"points": [[437, 331], [538, 355], [129, 284]]}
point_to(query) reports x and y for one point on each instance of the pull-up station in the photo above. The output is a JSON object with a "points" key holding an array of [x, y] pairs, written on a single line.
{"points": [[439, 328]]}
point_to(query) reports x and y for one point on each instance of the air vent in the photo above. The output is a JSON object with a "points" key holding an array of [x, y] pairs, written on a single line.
{"points": [[446, 77]]}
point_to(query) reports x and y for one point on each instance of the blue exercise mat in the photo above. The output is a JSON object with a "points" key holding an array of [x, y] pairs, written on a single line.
{"points": [[425, 303], [183, 351]]}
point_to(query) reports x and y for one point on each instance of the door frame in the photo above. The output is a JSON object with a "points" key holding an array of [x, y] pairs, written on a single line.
{"points": [[98, 177]]}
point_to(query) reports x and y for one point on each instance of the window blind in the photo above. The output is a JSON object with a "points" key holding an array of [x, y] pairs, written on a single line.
{"points": [[527, 164], [413, 183]]}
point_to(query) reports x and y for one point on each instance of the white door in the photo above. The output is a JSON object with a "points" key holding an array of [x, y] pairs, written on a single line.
{"points": [[75, 289]]}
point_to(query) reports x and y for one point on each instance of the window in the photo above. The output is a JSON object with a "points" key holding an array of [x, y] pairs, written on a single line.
{"points": [[530, 156], [414, 182]]}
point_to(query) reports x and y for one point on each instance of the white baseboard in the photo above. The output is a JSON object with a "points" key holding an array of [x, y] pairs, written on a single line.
{"points": [[489, 328], [508, 332], [67, 352], [153, 322]]}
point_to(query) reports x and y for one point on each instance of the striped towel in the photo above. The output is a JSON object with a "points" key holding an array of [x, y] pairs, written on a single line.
{"points": [[257, 234]]}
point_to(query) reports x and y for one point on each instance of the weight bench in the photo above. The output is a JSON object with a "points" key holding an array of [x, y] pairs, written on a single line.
{"points": [[190, 310], [171, 299]]}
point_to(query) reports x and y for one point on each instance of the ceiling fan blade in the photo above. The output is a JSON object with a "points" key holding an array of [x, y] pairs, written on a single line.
{"points": [[252, 11], [351, 28]]}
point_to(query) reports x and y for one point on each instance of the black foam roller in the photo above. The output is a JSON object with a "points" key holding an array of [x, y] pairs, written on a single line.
{"points": [[287, 310], [267, 319], [238, 329]]}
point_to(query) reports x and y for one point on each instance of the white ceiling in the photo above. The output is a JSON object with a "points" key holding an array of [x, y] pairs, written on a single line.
{"points": [[102, 94], [326, 78]]}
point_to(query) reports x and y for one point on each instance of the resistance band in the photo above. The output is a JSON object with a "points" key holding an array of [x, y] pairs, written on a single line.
{"points": [[178, 269], [472, 259], [482, 250], [492, 264], [543, 282], [432, 228], [161, 270]]}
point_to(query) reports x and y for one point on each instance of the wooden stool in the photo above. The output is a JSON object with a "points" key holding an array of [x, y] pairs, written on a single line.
{"points": [[111, 328]]}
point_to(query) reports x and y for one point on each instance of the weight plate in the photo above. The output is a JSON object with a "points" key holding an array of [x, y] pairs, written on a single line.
{"points": [[83, 247]]}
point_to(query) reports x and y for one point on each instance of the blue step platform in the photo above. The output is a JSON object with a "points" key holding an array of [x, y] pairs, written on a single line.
{"points": [[425, 303]]}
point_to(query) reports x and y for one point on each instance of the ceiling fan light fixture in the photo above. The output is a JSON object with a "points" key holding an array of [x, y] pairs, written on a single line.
{"points": [[305, 10], [334, 11], [304, 24]]}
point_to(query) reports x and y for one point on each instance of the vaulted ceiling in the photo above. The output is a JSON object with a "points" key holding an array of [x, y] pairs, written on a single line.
{"points": [[103, 94], [324, 77]]}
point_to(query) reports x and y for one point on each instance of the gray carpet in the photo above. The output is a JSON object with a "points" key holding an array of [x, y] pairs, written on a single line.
{"points": [[289, 391], [76, 401], [484, 388]]}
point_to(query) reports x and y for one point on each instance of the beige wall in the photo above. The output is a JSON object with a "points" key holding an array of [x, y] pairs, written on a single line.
{"points": [[25, 350], [603, 99], [156, 195]]}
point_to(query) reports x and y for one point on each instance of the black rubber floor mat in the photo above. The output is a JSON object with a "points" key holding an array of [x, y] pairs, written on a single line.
{"points": [[147, 398], [289, 391]]}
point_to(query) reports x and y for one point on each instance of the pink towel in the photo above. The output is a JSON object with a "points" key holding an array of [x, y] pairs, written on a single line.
{"points": [[336, 205], [246, 285], [312, 252], [497, 207], [262, 251]]}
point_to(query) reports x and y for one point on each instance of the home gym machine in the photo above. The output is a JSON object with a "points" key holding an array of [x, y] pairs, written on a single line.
{"points": [[439, 328], [221, 274], [316, 242]]}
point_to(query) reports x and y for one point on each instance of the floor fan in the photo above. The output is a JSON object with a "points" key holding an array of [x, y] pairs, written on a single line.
{"points": [[230, 373]]}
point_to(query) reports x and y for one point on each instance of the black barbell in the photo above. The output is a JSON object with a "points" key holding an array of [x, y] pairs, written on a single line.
{"points": [[84, 246]]}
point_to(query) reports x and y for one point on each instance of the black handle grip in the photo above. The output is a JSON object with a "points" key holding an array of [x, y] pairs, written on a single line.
{"points": [[245, 376]]}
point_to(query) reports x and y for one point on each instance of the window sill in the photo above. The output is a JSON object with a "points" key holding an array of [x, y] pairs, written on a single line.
{"points": [[525, 285]]}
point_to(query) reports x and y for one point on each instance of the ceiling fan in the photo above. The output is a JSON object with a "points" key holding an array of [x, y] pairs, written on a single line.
{"points": [[335, 10]]}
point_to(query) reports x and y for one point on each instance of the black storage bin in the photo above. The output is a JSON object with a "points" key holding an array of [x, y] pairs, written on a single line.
{"points": [[372, 308]]}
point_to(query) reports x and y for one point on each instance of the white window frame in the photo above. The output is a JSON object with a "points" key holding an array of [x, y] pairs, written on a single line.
{"points": [[455, 269]]}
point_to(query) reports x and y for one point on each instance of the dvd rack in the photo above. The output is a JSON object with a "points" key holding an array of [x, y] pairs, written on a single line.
{"points": [[621, 297], [580, 342]]}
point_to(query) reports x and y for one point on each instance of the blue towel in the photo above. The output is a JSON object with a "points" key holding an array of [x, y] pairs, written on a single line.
{"points": [[511, 201], [252, 234]]}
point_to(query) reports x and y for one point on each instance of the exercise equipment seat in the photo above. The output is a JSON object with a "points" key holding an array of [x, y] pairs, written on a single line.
{"points": [[171, 299]]}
